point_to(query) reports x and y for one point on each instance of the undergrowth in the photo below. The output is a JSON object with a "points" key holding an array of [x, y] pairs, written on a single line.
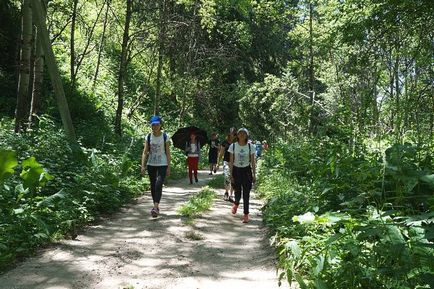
{"points": [[345, 219]]}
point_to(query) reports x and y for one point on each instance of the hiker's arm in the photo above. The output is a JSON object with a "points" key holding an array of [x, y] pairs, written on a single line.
{"points": [[167, 144], [253, 164], [221, 155], [145, 155], [231, 165]]}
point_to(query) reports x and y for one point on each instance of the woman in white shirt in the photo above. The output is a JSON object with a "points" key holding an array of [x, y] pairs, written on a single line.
{"points": [[243, 170], [156, 155]]}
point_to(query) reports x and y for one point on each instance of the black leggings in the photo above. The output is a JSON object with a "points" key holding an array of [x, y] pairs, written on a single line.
{"points": [[157, 174], [242, 180]]}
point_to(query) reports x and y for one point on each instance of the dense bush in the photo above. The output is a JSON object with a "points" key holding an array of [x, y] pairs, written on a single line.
{"points": [[350, 219], [52, 187]]}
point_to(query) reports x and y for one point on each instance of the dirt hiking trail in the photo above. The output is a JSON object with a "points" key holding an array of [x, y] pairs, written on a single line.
{"points": [[132, 250]]}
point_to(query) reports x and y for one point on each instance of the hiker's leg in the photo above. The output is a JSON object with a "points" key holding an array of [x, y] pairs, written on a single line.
{"points": [[195, 167], [237, 184], [247, 187], [190, 169], [161, 175], [152, 173], [227, 179]]}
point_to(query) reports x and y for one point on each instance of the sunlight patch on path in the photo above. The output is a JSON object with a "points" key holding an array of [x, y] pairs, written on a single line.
{"points": [[132, 250]]}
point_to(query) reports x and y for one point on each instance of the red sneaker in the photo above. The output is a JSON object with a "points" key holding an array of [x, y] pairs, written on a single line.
{"points": [[245, 218]]}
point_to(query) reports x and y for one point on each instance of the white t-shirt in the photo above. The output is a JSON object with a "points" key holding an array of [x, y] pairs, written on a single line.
{"points": [[241, 154], [194, 150], [157, 151]]}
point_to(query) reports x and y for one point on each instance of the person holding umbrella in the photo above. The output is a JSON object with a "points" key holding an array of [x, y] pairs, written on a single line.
{"points": [[192, 149], [190, 139], [243, 170], [156, 155]]}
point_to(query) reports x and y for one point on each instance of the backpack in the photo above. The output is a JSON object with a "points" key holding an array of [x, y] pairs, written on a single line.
{"points": [[148, 140]]}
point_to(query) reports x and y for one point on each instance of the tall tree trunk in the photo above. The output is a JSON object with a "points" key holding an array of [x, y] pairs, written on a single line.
{"points": [[38, 75], [38, 13], [101, 44], [311, 70], [72, 44], [161, 40], [24, 73], [397, 98], [122, 69]]}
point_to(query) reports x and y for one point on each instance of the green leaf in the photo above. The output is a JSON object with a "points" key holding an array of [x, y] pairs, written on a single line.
{"points": [[394, 235], [319, 284], [429, 179], [49, 201], [40, 236], [18, 211], [300, 281], [34, 174], [319, 265], [8, 161], [295, 249]]}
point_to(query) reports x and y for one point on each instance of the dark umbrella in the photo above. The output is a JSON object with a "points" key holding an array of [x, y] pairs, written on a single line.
{"points": [[182, 136]]}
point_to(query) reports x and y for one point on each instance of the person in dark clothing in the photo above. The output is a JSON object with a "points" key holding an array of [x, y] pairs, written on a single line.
{"points": [[224, 154], [212, 153]]}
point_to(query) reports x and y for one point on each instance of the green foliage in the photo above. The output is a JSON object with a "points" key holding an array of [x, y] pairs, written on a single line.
{"points": [[33, 174], [49, 188], [8, 162], [343, 220], [267, 107], [178, 164], [217, 182], [197, 204]]}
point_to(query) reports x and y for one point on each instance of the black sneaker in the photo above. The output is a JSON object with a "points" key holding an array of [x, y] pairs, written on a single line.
{"points": [[231, 200]]}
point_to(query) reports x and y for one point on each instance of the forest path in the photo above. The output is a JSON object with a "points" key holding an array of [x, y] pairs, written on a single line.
{"points": [[132, 250]]}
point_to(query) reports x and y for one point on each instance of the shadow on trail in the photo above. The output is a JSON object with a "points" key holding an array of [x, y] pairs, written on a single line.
{"points": [[133, 248]]}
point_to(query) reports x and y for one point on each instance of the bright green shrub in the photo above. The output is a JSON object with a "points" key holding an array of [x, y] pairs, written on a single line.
{"points": [[341, 219]]}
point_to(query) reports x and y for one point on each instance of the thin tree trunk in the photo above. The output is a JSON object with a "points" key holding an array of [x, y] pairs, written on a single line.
{"points": [[38, 77], [38, 13], [72, 43], [32, 73], [161, 40], [122, 69], [24, 74], [397, 99], [311, 70], [101, 45]]}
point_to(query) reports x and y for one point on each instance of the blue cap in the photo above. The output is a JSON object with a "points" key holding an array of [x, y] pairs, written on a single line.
{"points": [[155, 119]]}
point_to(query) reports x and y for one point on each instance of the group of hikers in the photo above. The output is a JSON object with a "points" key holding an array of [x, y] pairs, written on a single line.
{"points": [[237, 152]]}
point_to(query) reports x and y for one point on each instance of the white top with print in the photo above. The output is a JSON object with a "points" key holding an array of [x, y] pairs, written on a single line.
{"points": [[194, 150], [157, 152], [241, 154]]}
